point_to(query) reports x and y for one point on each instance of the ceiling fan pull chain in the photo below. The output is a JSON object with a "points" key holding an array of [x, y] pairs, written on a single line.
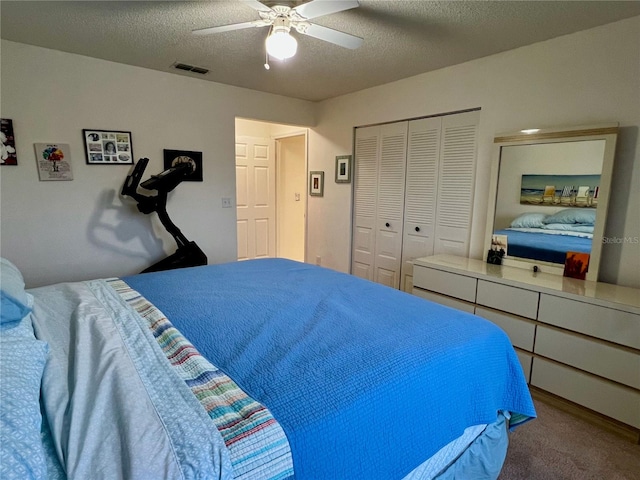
{"points": [[266, 51]]}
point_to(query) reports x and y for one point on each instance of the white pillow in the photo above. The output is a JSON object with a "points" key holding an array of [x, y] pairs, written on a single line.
{"points": [[529, 220]]}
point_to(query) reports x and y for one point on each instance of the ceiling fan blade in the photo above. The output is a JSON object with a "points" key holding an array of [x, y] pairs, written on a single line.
{"points": [[256, 5], [317, 8], [333, 36], [227, 28]]}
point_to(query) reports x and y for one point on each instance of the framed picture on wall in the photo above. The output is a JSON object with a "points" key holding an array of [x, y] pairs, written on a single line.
{"points": [[108, 147], [53, 161], [316, 184], [174, 157], [343, 169], [8, 153]]}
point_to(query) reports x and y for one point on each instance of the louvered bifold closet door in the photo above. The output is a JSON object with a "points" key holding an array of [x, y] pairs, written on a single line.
{"points": [[365, 180], [421, 185], [391, 178], [456, 183]]}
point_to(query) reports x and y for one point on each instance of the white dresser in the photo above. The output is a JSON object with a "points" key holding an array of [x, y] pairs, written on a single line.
{"points": [[577, 339]]}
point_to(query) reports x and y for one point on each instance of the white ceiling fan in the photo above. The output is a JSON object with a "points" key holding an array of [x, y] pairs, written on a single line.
{"points": [[282, 18]]}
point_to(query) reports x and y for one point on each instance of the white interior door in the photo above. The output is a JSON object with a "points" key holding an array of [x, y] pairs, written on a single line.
{"points": [[423, 154], [365, 180], [391, 179], [456, 183], [255, 197], [291, 164]]}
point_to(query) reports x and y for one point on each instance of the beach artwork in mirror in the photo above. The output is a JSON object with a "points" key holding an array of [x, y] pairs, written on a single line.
{"points": [[566, 190], [551, 193]]}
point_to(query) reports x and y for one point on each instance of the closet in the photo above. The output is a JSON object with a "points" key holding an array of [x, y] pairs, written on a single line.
{"points": [[413, 194]]}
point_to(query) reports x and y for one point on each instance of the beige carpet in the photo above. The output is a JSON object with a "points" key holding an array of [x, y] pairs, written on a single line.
{"points": [[558, 445]]}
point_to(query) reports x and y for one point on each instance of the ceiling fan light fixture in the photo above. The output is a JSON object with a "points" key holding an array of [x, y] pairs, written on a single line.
{"points": [[280, 44]]}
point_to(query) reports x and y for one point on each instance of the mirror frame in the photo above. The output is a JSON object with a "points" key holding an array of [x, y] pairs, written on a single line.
{"points": [[607, 132]]}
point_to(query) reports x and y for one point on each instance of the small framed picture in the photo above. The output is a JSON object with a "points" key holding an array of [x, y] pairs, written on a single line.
{"points": [[576, 265], [343, 169], [108, 147], [174, 157], [54, 161], [8, 153], [316, 184]]}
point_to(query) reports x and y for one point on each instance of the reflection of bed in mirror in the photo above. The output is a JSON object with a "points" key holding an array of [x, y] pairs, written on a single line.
{"points": [[549, 237], [551, 191]]}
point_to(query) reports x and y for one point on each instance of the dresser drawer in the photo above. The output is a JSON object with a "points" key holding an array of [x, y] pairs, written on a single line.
{"points": [[509, 299], [602, 322], [451, 284], [521, 332], [613, 400], [525, 361], [616, 364], [444, 300]]}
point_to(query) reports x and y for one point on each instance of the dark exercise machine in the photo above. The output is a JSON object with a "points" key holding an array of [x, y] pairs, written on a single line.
{"points": [[188, 253]]}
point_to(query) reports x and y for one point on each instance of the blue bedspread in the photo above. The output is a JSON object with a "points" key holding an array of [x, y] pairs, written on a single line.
{"points": [[366, 381], [543, 246]]}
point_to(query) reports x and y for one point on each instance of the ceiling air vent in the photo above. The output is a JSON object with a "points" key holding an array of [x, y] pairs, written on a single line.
{"points": [[190, 68]]}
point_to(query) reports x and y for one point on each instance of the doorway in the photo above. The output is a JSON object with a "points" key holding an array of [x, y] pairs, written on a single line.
{"points": [[271, 190], [291, 198]]}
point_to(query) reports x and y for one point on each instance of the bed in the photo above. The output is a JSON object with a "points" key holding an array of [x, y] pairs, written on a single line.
{"points": [[548, 237], [543, 244], [252, 370]]}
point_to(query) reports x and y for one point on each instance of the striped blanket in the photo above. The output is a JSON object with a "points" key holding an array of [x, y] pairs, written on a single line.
{"points": [[257, 445]]}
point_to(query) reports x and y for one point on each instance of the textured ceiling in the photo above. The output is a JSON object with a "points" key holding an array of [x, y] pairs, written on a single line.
{"points": [[401, 37]]}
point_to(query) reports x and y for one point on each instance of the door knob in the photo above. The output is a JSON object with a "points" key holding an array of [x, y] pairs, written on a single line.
{"points": [[387, 224], [417, 229]]}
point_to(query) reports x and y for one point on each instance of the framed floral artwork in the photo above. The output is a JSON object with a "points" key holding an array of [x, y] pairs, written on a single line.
{"points": [[8, 146], [54, 161]]}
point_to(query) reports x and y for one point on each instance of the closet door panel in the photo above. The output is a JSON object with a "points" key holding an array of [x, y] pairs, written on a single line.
{"points": [[390, 210], [456, 183], [365, 201], [423, 152]]}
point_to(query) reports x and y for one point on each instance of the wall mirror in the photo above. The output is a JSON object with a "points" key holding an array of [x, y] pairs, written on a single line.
{"points": [[549, 196]]}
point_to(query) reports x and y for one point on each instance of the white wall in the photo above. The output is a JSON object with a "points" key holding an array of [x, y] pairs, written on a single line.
{"points": [[590, 77], [59, 231]]}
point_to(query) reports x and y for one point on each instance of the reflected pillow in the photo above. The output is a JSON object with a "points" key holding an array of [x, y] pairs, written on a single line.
{"points": [[15, 303], [573, 215], [22, 363], [570, 227], [529, 220]]}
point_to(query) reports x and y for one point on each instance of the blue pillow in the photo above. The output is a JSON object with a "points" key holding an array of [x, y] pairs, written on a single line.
{"points": [[529, 220], [22, 363], [12, 310], [15, 302], [585, 216]]}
